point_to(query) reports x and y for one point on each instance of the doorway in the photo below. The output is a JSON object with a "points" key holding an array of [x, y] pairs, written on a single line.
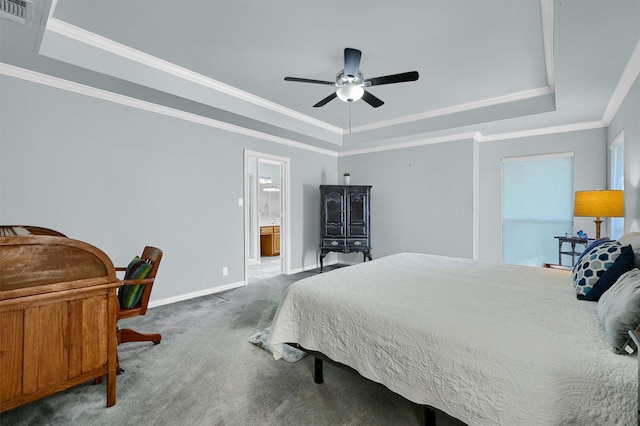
{"points": [[266, 216]]}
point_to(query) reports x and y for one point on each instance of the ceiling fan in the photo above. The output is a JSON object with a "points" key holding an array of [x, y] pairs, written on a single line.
{"points": [[350, 82]]}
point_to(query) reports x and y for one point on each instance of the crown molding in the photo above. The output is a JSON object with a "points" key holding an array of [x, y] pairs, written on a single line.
{"points": [[619, 138], [479, 137], [411, 144], [86, 37], [541, 91], [80, 35], [547, 18], [629, 75], [58, 83], [565, 154], [564, 128]]}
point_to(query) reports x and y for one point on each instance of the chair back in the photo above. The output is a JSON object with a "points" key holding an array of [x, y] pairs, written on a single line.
{"points": [[154, 256]]}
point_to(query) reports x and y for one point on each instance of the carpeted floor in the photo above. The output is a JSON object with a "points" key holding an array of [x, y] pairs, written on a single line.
{"points": [[205, 372]]}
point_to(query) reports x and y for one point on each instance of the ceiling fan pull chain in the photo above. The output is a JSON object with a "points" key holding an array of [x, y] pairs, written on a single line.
{"points": [[349, 117]]}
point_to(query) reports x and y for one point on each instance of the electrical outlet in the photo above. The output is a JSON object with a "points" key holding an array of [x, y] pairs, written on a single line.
{"points": [[225, 271]]}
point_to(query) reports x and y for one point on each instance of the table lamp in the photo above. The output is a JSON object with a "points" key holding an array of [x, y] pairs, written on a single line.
{"points": [[598, 204]]}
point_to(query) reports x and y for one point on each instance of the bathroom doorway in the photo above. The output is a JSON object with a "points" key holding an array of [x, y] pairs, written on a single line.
{"points": [[266, 216]]}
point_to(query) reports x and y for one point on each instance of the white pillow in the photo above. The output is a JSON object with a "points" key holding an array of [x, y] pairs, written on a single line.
{"points": [[619, 309], [632, 239]]}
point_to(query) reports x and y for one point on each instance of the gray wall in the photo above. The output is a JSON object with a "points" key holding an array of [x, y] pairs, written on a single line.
{"points": [[627, 119], [589, 172], [422, 197], [121, 178]]}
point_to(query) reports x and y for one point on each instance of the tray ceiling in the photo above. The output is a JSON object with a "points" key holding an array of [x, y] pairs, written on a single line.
{"points": [[522, 64]]}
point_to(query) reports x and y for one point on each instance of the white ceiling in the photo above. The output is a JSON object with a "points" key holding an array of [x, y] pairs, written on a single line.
{"points": [[516, 64]]}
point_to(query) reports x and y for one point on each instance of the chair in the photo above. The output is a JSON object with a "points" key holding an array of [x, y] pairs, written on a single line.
{"points": [[153, 256]]}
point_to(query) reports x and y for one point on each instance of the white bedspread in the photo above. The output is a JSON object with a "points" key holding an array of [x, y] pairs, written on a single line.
{"points": [[488, 343]]}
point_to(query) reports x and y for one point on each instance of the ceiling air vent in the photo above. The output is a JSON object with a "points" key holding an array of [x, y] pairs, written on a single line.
{"points": [[16, 10]]}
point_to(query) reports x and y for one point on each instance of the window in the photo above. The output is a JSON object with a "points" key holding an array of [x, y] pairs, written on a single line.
{"points": [[537, 203], [616, 181]]}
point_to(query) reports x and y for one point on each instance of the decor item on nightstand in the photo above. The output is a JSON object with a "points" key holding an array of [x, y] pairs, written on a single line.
{"points": [[347, 178], [598, 204], [345, 220]]}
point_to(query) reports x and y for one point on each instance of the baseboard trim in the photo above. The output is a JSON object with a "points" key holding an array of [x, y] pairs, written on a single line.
{"points": [[310, 267], [221, 288], [193, 295]]}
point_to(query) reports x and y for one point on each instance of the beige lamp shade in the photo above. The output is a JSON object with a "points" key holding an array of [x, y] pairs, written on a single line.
{"points": [[601, 203]]}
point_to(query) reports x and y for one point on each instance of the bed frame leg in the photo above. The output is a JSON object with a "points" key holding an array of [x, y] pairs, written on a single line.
{"points": [[429, 416], [317, 370]]}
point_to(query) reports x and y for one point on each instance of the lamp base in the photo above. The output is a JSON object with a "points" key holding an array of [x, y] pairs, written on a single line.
{"points": [[598, 222]]}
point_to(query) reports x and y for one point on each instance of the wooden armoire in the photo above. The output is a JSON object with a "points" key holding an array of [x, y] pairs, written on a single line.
{"points": [[346, 221]]}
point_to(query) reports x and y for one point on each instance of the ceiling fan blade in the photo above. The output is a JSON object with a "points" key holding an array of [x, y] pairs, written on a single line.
{"points": [[351, 62], [393, 78], [309, 80], [326, 100], [371, 100]]}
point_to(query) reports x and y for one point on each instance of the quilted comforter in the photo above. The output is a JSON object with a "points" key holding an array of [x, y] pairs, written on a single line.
{"points": [[487, 343]]}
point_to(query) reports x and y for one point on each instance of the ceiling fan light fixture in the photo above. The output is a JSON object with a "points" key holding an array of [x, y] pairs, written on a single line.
{"points": [[350, 82], [350, 92]]}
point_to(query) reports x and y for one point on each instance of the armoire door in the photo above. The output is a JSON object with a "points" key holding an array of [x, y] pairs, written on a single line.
{"points": [[358, 212], [333, 212]]}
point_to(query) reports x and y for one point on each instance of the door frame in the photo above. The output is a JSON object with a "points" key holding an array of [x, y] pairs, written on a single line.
{"points": [[285, 207]]}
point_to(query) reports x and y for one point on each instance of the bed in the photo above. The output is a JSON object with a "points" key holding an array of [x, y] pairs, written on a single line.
{"points": [[487, 343]]}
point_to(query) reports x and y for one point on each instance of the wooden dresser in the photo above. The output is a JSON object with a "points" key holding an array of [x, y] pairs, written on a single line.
{"points": [[58, 309]]}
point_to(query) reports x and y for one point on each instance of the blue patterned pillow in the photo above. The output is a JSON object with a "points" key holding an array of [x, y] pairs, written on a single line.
{"points": [[593, 245], [600, 268]]}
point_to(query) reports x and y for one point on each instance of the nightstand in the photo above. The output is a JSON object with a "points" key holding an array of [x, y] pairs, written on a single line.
{"points": [[573, 253]]}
